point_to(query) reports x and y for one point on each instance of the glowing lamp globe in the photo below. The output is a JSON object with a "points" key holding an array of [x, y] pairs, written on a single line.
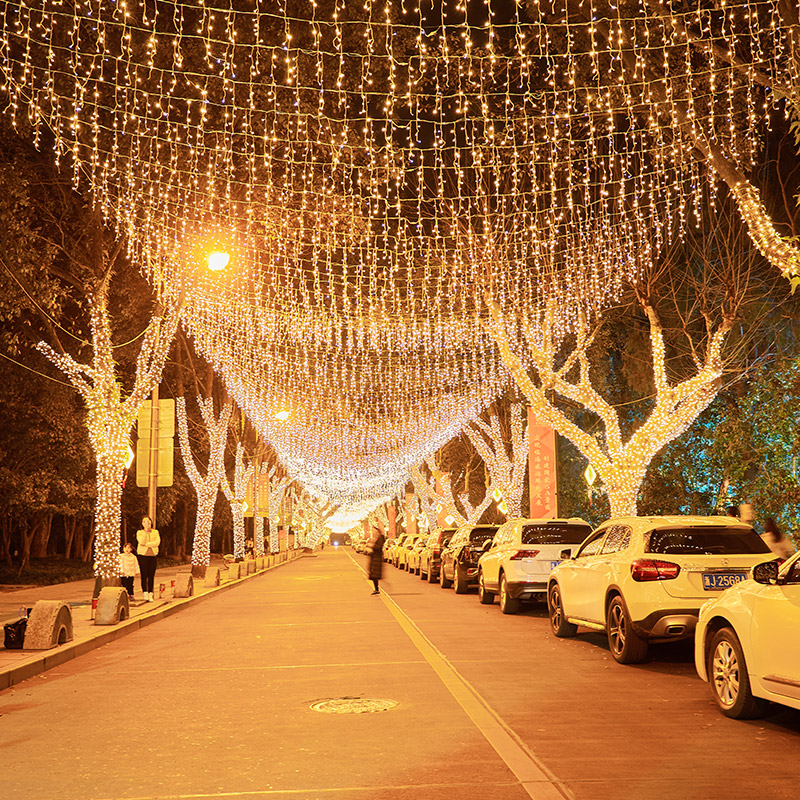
{"points": [[218, 260], [282, 416]]}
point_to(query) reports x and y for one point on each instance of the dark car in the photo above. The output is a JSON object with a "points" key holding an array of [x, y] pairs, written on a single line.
{"points": [[460, 558], [430, 559]]}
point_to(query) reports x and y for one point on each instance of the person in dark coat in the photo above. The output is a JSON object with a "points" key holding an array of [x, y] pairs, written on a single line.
{"points": [[375, 571]]}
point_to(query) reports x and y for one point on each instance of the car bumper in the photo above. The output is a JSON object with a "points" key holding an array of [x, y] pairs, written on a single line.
{"points": [[525, 590], [668, 623]]}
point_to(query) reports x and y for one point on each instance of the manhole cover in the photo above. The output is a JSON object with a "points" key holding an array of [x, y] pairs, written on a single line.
{"points": [[352, 705]]}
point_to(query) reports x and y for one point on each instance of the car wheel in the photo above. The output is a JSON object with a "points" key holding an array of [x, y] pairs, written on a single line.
{"points": [[558, 622], [508, 605], [443, 581], [626, 646], [431, 576], [486, 597], [459, 580], [727, 674], [422, 575]]}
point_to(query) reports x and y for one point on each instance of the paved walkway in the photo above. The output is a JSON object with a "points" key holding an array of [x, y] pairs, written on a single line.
{"points": [[18, 665]]}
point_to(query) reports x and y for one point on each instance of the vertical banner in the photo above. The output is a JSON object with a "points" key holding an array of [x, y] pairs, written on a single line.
{"points": [[542, 469], [442, 513], [391, 513]]}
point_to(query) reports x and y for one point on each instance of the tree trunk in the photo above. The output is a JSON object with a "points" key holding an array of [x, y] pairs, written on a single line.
{"points": [[5, 540], [42, 538], [110, 472], [238, 531], [201, 546], [70, 525], [622, 486]]}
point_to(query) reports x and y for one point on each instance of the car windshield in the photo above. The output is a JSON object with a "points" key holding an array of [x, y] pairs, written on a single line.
{"points": [[555, 533], [705, 541], [480, 535]]}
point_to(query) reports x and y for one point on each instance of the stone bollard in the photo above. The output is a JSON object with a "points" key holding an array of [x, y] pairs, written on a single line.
{"points": [[262, 563], [49, 625], [251, 566], [212, 577], [184, 585], [234, 571], [113, 606]]}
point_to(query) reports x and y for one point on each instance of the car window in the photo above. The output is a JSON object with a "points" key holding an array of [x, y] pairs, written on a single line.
{"points": [[619, 537], [592, 547], [478, 536], [555, 533], [708, 541]]}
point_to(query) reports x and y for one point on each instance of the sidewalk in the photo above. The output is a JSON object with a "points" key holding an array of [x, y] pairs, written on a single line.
{"points": [[19, 665]]}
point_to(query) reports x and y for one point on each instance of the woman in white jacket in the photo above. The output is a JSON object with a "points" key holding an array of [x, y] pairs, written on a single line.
{"points": [[148, 540]]}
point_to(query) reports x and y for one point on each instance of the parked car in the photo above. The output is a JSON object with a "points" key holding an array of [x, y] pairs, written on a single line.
{"points": [[388, 549], [403, 550], [747, 642], [430, 559], [517, 563], [643, 579], [459, 566], [413, 554]]}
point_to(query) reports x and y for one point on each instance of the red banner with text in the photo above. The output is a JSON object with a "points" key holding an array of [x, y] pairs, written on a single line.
{"points": [[542, 469]]}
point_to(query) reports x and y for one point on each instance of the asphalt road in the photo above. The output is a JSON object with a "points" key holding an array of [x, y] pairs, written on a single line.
{"points": [[216, 702]]}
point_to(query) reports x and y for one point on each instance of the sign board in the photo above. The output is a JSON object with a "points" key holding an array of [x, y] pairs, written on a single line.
{"points": [[263, 496], [166, 448], [542, 469], [166, 419]]}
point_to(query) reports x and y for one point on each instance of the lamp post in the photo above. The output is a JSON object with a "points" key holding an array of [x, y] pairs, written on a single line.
{"points": [[215, 261]]}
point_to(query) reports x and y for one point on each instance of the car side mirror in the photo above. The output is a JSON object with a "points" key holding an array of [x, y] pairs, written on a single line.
{"points": [[766, 573], [565, 554]]}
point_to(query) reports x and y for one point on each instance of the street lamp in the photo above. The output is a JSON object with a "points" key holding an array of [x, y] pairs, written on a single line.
{"points": [[282, 416], [218, 260]]}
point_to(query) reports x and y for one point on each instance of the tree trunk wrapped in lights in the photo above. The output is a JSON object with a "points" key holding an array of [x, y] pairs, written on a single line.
{"points": [[109, 418], [506, 470], [206, 486], [620, 464], [276, 493], [242, 478], [444, 500], [258, 520]]}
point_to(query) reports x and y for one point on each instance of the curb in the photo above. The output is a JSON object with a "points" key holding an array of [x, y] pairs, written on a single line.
{"points": [[48, 660]]}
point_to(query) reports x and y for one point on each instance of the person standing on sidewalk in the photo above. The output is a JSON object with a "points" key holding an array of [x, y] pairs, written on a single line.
{"points": [[129, 567], [149, 540], [376, 559]]}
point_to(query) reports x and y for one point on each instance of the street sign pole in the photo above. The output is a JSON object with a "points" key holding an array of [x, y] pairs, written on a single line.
{"points": [[153, 465]]}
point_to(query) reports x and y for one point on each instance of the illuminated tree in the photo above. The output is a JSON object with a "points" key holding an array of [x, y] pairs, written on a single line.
{"points": [[277, 491], [110, 416], [236, 494], [505, 454], [206, 486]]}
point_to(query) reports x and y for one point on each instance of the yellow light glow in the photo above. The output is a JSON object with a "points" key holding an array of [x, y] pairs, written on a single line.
{"points": [[590, 475], [131, 456], [282, 416]]}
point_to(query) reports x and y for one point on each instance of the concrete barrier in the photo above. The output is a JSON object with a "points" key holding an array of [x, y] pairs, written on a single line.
{"points": [[184, 585], [49, 625], [234, 571], [251, 566], [113, 606], [212, 577]]}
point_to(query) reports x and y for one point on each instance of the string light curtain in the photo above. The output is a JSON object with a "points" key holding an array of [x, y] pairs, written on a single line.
{"points": [[377, 169]]}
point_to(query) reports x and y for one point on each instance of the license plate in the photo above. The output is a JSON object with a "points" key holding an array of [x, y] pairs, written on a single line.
{"points": [[716, 581], [554, 564]]}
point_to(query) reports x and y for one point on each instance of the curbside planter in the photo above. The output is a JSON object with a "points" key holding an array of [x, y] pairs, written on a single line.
{"points": [[212, 577], [49, 625], [113, 606], [184, 585]]}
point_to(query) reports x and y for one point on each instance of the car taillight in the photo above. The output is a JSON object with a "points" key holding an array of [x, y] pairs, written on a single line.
{"points": [[645, 569], [520, 554]]}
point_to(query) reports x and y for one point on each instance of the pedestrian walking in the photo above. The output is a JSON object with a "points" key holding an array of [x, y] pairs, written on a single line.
{"points": [[148, 540], [776, 540], [129, 567], [375, 571]]}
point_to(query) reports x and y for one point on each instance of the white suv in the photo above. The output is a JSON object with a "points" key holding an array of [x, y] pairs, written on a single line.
{"points": [[747, 643], [645, 578], [518, 561]]}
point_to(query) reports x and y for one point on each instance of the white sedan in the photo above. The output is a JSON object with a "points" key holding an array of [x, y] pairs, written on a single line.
{"points": [[518, 561], [747, 643], [643, 579]]}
